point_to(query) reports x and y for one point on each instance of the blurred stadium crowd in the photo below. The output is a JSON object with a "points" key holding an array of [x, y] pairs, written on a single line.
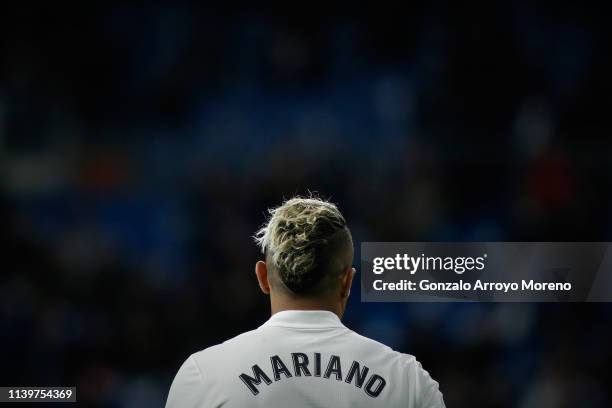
{"points": [[141, 147]]}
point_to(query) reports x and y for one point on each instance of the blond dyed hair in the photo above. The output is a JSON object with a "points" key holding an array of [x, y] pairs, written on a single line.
{"points": [[295, 239]]}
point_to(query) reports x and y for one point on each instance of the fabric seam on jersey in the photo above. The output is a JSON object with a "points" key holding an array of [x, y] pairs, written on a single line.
{"points": [[197, 368]]}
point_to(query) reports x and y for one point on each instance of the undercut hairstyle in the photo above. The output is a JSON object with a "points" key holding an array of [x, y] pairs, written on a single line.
{"points": [[305, 242]]}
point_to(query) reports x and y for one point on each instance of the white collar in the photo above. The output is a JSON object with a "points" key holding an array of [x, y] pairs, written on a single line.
{"points": [[308, 319]]}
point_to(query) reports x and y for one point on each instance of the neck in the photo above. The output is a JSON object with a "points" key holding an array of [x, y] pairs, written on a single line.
{"points": [[279, 303]]}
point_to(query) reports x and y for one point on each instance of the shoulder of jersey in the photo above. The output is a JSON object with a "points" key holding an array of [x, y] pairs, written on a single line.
{"points": [[383, 348], [234, 342]]}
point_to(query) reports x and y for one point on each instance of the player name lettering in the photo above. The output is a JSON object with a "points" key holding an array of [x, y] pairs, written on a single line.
{"points": [[301, 365]]}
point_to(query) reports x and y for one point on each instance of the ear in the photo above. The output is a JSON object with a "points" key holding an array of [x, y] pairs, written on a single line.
{"points": [[261, 270], [346, 280]]}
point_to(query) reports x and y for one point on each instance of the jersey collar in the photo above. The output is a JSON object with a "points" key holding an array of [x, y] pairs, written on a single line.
{"points": [[305, 319]]}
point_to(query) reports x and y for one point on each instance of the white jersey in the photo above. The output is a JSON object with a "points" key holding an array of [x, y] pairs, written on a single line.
{"points": [[302, 359]]}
